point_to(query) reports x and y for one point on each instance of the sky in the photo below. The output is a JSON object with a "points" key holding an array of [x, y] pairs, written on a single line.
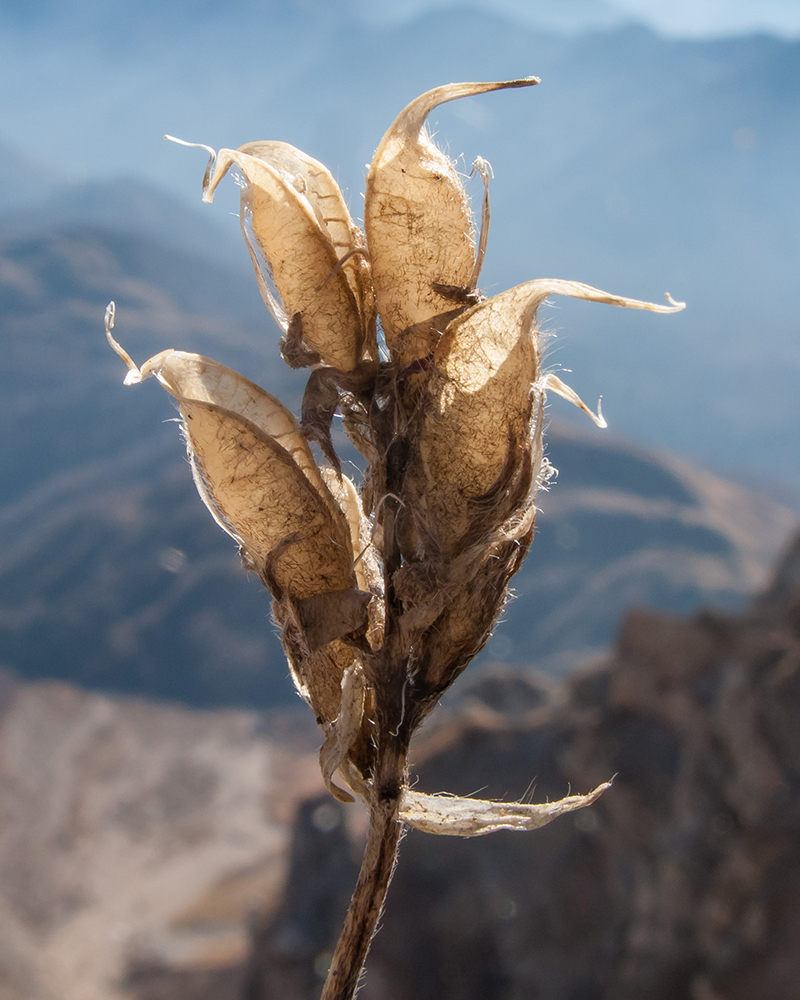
{"points": [[676, 18], [71, 72]]}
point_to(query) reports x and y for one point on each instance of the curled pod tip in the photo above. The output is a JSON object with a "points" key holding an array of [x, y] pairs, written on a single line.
{"points": [[298, 233]]}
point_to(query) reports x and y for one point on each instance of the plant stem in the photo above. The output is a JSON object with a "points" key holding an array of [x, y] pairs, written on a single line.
{"points": [[367, 902], [388, 678]]}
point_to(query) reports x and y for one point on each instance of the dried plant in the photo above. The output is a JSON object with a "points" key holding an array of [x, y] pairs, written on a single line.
{"points": [[383, 594]]}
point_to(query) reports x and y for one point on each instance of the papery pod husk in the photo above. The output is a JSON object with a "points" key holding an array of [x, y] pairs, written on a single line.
{"points": [[191, 376], [302, 230], [474, 424], [465, 626], [417, 341], [288, 532], [451, 606], [365, 561], [256, 473], [418, 222], [318, 674], [475, 415], [327, 201]]}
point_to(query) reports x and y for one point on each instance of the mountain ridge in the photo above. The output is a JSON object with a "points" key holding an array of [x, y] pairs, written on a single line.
{"points": [[113, 575], [640, 165]]}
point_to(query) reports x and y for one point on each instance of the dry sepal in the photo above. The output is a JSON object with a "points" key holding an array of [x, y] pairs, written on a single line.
{"points": [[458, 817], [382, 596]]}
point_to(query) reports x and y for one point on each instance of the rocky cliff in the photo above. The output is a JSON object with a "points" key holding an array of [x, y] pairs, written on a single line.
{"points": [[145, 849], [136, 836], [681, 883]]}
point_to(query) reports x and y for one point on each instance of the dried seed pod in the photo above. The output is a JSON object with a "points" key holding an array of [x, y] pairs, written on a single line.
{"points": [[255, 487], [256, 474], [475, 426], [418, 220], [303, 235], [191, 376]]}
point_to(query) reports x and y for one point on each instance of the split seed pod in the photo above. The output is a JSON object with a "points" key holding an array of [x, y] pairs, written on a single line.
{"points": [[475, 426], [475, 467], [257, 476], [418, 221], [303, 236], [256, 473]]}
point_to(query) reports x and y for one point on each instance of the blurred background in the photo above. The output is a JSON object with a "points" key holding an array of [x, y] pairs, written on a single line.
{"points": [[659, 154]]}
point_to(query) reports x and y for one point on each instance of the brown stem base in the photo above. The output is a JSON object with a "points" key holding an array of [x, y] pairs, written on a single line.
{"points": [[367, 902]]}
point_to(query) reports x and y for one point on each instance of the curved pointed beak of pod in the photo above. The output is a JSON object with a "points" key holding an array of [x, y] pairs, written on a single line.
{"points": [[418, 220]]}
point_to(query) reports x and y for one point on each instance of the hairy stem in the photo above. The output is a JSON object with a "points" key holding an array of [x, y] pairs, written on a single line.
{"points": [[370, 891], [389, 678]]}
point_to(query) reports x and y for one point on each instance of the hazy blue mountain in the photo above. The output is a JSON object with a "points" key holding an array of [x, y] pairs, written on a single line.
{"points": [[640, 164], [23, 182], [112, 573], [128, 206]]}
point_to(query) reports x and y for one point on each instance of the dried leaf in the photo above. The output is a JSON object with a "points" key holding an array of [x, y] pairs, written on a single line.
{"points": [[344, 731], [418, 220], [302, 230], [329, 616], [458, 817]]}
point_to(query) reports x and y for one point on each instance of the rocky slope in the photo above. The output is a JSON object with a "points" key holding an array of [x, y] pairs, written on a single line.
{"points": [[136, 835], [143, 846], [681, 883]]}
